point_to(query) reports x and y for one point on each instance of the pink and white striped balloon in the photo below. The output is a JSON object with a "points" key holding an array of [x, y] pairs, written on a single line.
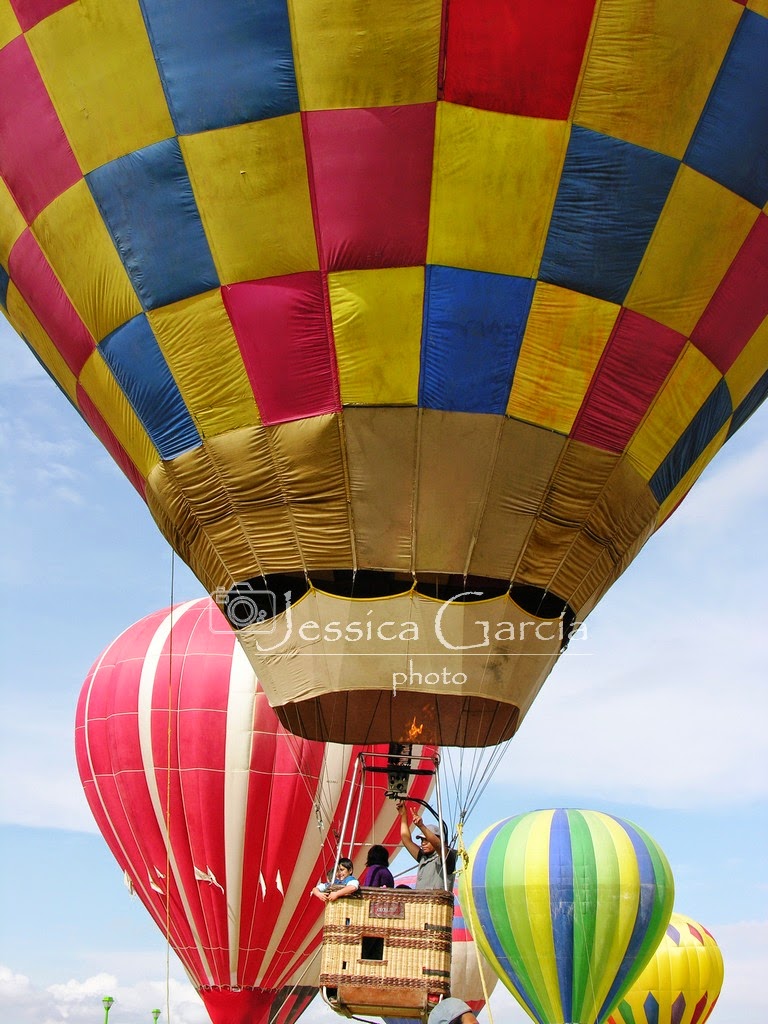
{"points": [[224, 847]]}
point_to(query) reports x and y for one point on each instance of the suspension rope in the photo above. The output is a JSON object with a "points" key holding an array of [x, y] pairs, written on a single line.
{"points": [[468, 918], [168, 800], [305, 967]]}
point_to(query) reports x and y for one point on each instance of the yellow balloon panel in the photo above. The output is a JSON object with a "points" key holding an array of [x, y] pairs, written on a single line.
{"points": [[564, 328], [101, 388], [196, 338], [750, 365], [495, 176], [12, 222], [641, 50], [377, 326], [77, 245], [697, 236], [29, 327], [9, 24], [693, 375], [360, 55], [115, 103], [251, 183]]}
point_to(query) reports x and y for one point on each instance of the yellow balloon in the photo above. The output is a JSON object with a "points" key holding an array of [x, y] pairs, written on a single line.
{"points": [[682, 982]]}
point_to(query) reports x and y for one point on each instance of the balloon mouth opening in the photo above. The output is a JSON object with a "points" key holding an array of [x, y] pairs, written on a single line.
{"points": [[262, 598], [366, 718]]}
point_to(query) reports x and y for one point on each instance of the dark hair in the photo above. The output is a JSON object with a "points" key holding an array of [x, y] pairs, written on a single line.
{"points": [[345, 862], [378, 855]]}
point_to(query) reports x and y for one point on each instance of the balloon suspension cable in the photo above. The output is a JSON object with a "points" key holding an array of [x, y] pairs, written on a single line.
{"points": [[345, 820], [323, 808], [309, 962], [293, 743], [168, 799], [470, 770], [356, 822], [486, 774], [468, 917]]}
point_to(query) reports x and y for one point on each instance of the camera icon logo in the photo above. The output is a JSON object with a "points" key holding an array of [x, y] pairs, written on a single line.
{"points": [[244, 607]]}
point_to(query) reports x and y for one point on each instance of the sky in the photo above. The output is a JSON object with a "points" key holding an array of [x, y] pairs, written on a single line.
{"points": [[658, 715]]}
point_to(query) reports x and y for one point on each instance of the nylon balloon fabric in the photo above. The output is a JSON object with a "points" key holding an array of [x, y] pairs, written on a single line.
{"points": [[568, 907], [387, 306], [221, 820], [682, 981], [290, 1003], [294, 997]]}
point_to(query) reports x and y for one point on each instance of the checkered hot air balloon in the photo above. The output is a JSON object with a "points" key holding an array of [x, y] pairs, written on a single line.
{"points": [[221, 820], [568, 907], [682, 981], [397, 315]]}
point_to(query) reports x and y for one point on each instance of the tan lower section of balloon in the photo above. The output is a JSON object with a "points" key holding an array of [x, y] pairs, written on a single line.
{"points": [[410, 491]]}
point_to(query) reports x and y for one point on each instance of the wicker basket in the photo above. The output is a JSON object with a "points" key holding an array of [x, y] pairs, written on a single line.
{"points": [[387, 952]]}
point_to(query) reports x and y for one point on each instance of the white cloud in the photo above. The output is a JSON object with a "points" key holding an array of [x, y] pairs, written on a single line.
{"points": [[132, 1002], [73, 991], [45, 453], [12, 986], [49, 455], [37, 470], [54, 473], [68, 495], [40, 799], [80, 1001]]}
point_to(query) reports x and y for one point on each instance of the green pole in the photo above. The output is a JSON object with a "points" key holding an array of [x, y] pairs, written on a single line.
{"points": [[107, 1001], [155, 1015]]}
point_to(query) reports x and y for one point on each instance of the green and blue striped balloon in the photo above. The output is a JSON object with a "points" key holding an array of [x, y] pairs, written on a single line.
{"points": [[568, 906]]}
